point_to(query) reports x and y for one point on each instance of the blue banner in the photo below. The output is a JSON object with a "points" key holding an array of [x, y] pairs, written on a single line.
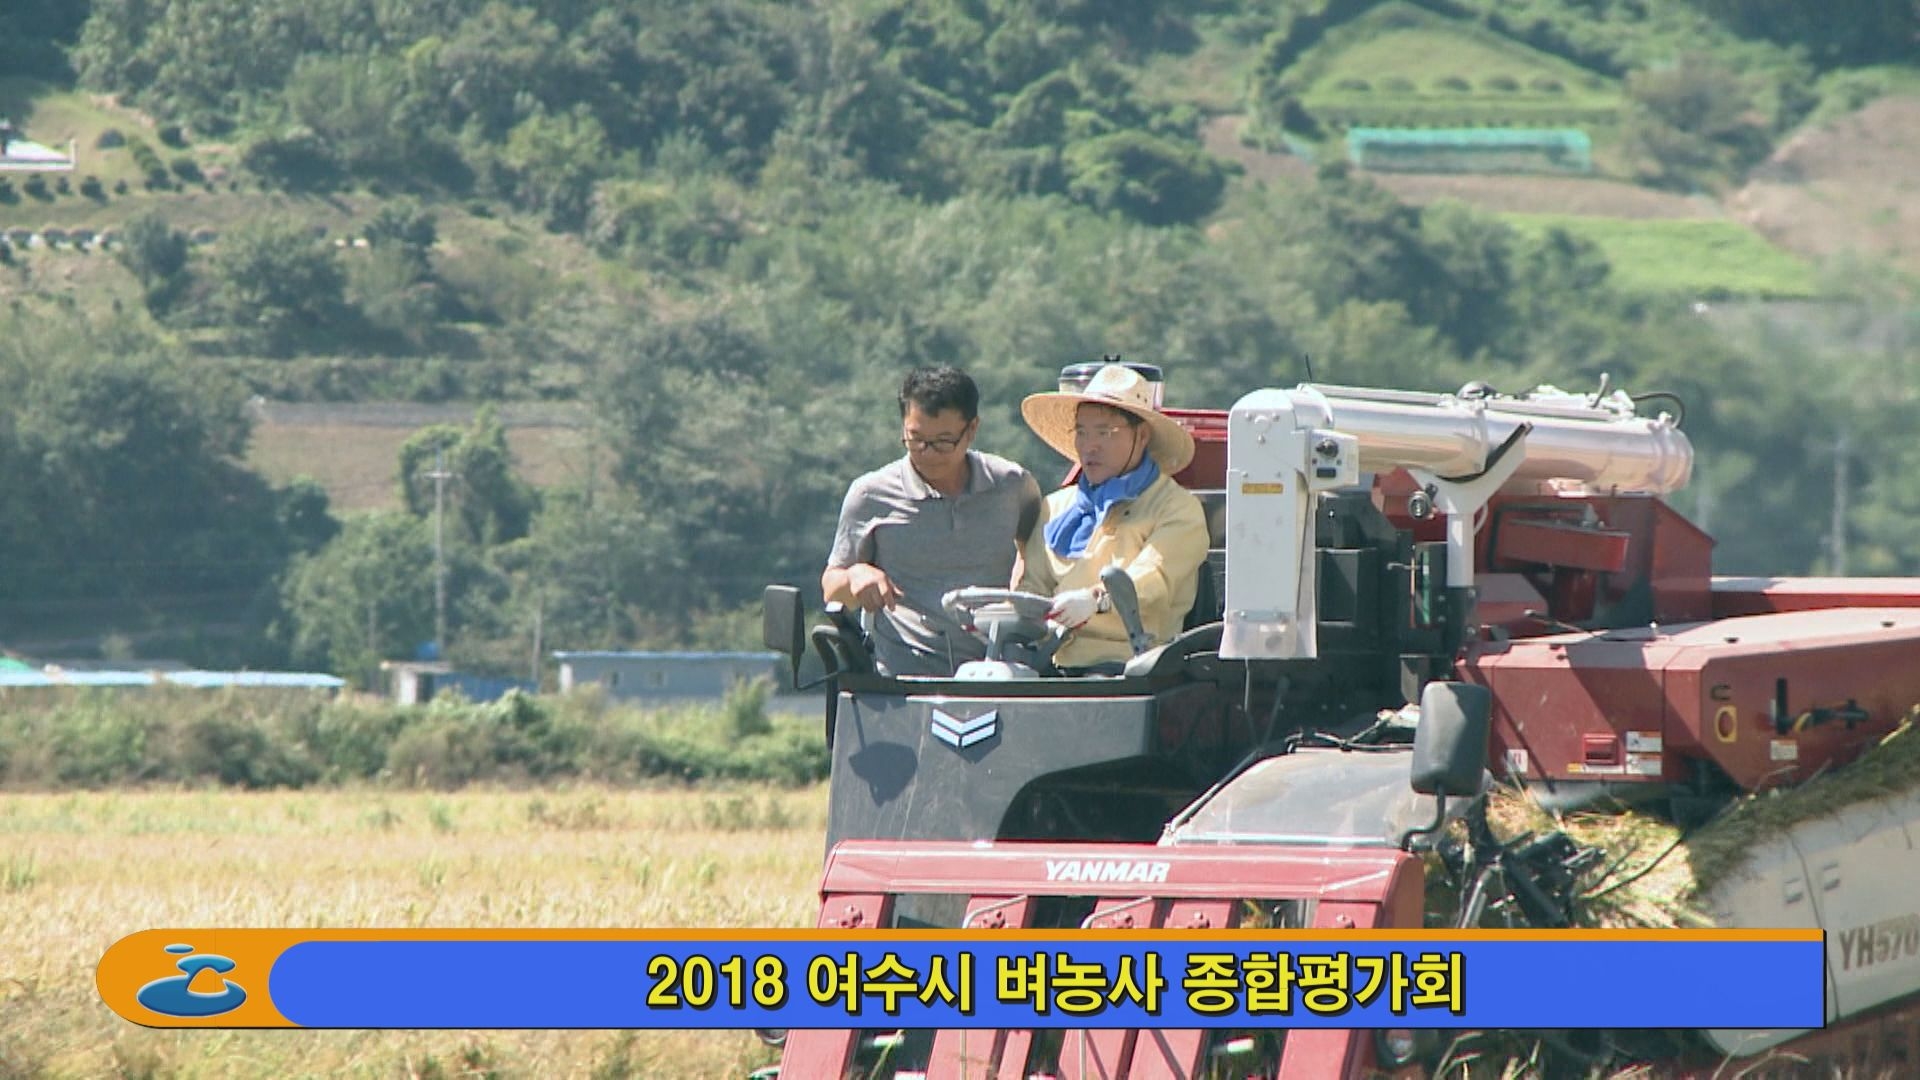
{"points": [[981, 980]]}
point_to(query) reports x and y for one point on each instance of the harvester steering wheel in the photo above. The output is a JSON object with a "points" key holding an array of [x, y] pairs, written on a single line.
{"points": [[999, 617]]}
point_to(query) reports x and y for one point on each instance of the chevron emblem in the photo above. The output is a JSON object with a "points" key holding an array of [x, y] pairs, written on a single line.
{"points": [[961, 733]]}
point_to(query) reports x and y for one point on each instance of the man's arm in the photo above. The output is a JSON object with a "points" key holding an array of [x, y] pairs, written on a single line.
{"points": [[862, 585], [1036, 572], [1172, 554], [849, 579], [1030, 506]]}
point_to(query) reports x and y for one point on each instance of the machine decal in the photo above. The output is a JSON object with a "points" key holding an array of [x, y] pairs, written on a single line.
{"points": [[1518, 761], [1643, 742], [961, 733], [1784, 750], [1254, 487], [1879, 943], [1093, 870]]}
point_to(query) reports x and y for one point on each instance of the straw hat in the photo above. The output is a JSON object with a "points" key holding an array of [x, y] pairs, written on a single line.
{"points": [[1116, 386]]}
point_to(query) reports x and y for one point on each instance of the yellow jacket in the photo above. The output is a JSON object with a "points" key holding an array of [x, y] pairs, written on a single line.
{"points": [[1161, 539]]}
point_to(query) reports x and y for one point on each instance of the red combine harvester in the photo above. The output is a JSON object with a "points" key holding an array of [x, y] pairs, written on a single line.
{"points": [[1409, 595]]}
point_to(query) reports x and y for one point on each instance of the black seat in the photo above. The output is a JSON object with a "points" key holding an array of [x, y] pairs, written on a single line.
{"points": [[1209, 597], [842, 643]]}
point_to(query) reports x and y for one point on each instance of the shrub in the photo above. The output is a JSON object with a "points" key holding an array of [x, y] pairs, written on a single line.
{"points": [[1505, 84], [745, 708], [171, 135], [187, 170], [1397, 84], [295, 158], [119, 187], [36, 186], [239, 752], [1356, 85], [7, 194], [61, 186], [1453, 83], [1546, 85], [144, 155], [110, 139], [256, 739]]}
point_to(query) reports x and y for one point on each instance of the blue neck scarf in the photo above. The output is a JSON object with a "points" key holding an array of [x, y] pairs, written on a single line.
{"points": [[1068, 534]]}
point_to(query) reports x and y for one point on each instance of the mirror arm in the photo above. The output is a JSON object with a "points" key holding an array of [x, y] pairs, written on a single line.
{"points": [[1439, 818]]}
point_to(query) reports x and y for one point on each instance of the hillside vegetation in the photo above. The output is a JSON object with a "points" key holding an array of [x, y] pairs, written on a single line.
{"points": [[719, 234]]}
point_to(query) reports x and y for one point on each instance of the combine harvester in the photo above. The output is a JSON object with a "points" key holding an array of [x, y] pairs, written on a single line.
{"points": [[1416, 604]]}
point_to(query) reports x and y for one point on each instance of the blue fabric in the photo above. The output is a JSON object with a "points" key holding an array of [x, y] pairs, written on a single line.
{"points": [[1068, 534]]}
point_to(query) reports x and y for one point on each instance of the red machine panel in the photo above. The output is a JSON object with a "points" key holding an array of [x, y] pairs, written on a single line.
{"points": [[1762, 595], [1769, 699], [1198, 888]]}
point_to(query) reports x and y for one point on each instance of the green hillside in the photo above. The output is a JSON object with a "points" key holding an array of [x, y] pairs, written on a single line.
{"points": [[718, 234], [1706, 259], [1399, 66]]}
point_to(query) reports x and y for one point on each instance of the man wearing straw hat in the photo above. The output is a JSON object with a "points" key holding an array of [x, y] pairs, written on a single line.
{"points": [[942, 517], [1124, 510]]}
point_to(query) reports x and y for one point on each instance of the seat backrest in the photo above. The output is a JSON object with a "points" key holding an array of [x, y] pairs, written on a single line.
{"points": [[1209, 597]]}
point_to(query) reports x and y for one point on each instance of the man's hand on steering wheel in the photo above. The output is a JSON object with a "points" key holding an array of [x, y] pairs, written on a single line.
{"points": [[1074, 607]]}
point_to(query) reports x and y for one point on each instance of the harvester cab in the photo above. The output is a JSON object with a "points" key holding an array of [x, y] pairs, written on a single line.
{"points": [[1410, 598]]}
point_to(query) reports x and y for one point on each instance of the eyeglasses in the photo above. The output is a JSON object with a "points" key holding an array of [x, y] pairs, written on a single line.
{"points": [[1081, 434], [946, 444]]}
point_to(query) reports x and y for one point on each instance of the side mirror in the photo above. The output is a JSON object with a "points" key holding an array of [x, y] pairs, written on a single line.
{"points": [[1450, 745], [783, 625]]}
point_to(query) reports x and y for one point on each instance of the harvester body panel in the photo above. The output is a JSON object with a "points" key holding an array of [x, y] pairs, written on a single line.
{"points": [[1373, 543]]}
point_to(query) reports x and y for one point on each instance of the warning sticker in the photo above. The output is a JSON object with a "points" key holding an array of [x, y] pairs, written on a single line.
{"points": [[1252, 487]]}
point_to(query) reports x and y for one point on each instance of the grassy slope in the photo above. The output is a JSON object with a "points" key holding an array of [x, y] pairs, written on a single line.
{"points": [[52, 116], [1387, 68], [1692, 258]]}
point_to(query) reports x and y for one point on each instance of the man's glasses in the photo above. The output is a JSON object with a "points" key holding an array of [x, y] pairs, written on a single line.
{"points": [[946, 444]]}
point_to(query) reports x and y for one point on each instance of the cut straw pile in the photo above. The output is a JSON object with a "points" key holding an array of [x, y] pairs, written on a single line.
{"points": [[1654, 875]]}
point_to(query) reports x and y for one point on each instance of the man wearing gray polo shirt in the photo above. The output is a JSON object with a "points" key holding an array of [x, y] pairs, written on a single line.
{"points": [[942, 517]]}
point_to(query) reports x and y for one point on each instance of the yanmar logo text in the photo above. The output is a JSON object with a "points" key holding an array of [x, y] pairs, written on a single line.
{"points": [[1090, 871]]}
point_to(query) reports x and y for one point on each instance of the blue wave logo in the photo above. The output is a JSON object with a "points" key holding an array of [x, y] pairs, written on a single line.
{"points": [[176, 995]]}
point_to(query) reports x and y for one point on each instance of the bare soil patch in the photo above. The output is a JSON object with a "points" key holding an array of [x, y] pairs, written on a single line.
{"points": [[354, 450], [1851, 186]]}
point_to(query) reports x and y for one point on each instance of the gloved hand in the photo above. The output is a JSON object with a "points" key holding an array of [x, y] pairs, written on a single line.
{"points": [[1073, 607]]}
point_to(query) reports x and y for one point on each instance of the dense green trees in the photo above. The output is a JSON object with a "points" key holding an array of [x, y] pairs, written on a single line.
{"points": [[539, 103], [119, 472], [791, 205]]}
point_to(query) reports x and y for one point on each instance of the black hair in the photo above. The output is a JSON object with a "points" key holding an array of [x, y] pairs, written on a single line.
{"points": [[938, 388]]}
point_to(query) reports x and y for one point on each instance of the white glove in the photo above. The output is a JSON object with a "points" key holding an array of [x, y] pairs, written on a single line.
{"points": [[1073, 607]]}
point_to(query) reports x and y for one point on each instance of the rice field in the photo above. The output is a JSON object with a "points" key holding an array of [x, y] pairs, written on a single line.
{"points": [[78, 871]]}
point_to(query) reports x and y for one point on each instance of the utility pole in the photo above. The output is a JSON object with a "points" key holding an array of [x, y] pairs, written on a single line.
{"points": [[539, 613], [439, 476], [1838, 539]]}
